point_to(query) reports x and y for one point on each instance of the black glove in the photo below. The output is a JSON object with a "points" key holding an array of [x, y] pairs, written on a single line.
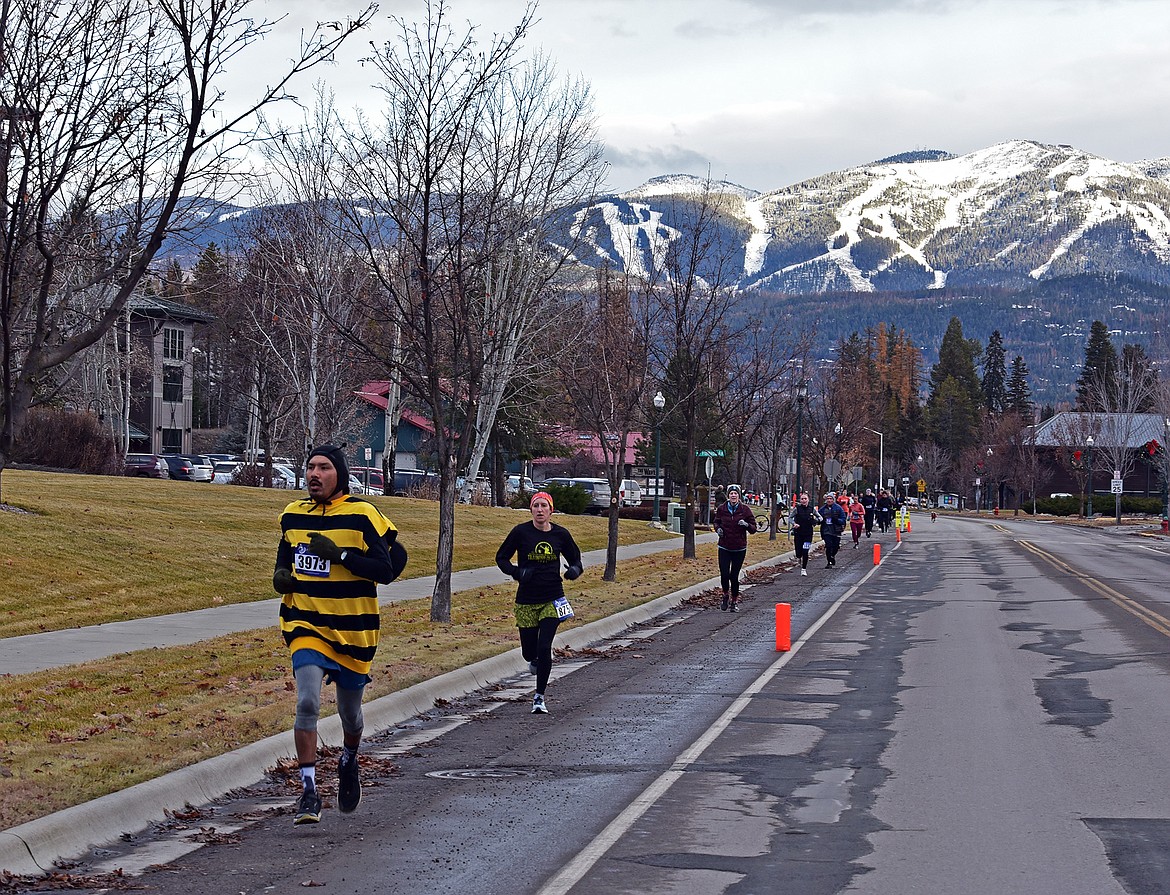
{"points": [[572, 573], [523, 574], [283, 581], [324, 547]]}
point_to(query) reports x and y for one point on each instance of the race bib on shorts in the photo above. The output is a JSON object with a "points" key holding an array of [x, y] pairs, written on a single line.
{"points": [[808, 545], [564, 610], [310, 564]]}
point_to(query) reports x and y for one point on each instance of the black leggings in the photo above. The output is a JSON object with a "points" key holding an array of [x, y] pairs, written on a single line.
{"points": [[536, 645], [802, 552], [730, 562]]}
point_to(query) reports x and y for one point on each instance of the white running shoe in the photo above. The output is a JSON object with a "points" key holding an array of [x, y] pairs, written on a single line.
{"points": [[804, 571], [532, 668], [538, 706]]}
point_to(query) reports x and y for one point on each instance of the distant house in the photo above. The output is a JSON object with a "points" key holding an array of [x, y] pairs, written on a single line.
{"points": [[414, 431], [586, 457], [1068, 432], [160, 395]]}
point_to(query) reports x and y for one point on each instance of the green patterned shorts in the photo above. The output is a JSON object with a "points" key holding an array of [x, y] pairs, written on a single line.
{"points": [[529, 615]]}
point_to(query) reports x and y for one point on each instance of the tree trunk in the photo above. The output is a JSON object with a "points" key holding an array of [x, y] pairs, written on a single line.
{"points": [[611, 543], [441, 598], [689, 522]]}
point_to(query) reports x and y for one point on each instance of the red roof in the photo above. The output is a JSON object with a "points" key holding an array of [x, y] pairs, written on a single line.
{"points": [[377, 393], [587, 443]]}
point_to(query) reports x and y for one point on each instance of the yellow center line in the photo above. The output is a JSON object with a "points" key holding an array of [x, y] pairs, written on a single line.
{"points": [[1156, 621]]}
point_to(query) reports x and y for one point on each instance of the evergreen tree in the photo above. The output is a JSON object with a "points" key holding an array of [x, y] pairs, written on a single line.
{"points": [[1140, 379], [953, 417], [1019, 392], [952, 410], [995, 375], [956, 359], [1101, 366]]}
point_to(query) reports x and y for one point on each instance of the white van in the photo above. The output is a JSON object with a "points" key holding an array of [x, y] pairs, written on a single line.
{"points": [[630, 493], [515, 483]]}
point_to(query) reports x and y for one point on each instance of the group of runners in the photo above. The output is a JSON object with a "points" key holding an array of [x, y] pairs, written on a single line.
{"points": [[335, 549]]}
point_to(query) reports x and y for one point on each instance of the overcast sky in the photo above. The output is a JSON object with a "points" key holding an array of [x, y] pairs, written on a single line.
{"points": [[765, 93]]}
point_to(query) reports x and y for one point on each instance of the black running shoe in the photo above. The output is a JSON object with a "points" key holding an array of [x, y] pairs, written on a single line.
{"points": [[349, 786], [308, 808]]}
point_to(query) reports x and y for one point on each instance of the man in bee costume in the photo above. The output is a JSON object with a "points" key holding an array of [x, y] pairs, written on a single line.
{"points": [[334, 552]]}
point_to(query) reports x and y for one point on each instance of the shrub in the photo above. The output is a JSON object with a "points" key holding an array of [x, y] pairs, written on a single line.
{"points": [[1059, 506], [570, 499], [521, 499], [64, 439], [645, 513], [250, 475]]}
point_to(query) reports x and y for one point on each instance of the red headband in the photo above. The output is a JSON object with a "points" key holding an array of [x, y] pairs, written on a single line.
{"points": [[543, 494]]}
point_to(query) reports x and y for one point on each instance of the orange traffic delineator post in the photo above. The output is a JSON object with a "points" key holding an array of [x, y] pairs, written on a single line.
{"points": [[899, 536], [907, 522], [783, 627], [877, 553]]}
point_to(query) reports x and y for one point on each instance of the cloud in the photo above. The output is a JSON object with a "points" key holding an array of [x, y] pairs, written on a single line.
{"points": [[666, 159]]}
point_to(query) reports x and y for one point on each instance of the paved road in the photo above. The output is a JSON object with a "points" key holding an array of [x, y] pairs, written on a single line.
{"points": [[973, 716], [985, 712]]}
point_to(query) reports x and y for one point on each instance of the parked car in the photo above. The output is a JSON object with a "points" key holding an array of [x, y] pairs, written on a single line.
{"points": [[515, 484], [284, 476], [481, 488], [224, 471], [371, 478], [408, 482], [630, 493], [356, 486], [188, 468], [147, 465], [598, 490]]}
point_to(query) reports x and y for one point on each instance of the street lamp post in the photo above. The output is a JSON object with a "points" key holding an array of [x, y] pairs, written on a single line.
{"points": [[881, 456], [837, 430], [921, 476], [801, 395], [1166, 469], [659, 403], [1089, 462], [990, 454]]}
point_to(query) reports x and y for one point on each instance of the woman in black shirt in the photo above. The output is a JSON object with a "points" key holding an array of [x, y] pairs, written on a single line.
{"points": [[540, 599], [804, 518]]}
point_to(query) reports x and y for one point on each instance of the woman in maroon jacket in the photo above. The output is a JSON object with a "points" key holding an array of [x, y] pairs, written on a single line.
{"points": [[733, 521]]}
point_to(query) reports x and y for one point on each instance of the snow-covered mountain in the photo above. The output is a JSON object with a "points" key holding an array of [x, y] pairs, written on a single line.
{"points": [[1010, 215]]}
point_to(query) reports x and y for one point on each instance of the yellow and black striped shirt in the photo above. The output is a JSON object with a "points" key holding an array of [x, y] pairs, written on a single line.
{"points": [[334, 609]]}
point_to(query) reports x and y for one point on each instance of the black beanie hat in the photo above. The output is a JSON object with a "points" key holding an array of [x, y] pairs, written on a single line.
{"points": [[336, 456]]}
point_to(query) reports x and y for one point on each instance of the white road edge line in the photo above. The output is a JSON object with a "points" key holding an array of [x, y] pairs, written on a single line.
{"points": [[573, 872]]}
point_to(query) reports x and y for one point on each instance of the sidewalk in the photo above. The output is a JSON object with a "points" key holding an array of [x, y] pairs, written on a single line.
{"points": [[32, 848], [54, 649]]}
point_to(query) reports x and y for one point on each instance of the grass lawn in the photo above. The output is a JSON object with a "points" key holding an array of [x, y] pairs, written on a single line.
{"points": [[99, 549]]}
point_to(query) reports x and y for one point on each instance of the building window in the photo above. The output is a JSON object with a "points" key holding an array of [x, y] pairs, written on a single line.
{"points": [[172, 441], [173, 344], [172, 384]]}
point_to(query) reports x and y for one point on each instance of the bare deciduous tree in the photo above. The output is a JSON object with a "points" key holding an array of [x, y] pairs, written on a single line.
{"points": [[606, 378], [540, 155], [705, 362], [110, 112], [421, 197]]}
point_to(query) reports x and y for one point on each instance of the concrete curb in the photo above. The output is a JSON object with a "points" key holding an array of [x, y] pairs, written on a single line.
{"points": [[32, 848]]}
